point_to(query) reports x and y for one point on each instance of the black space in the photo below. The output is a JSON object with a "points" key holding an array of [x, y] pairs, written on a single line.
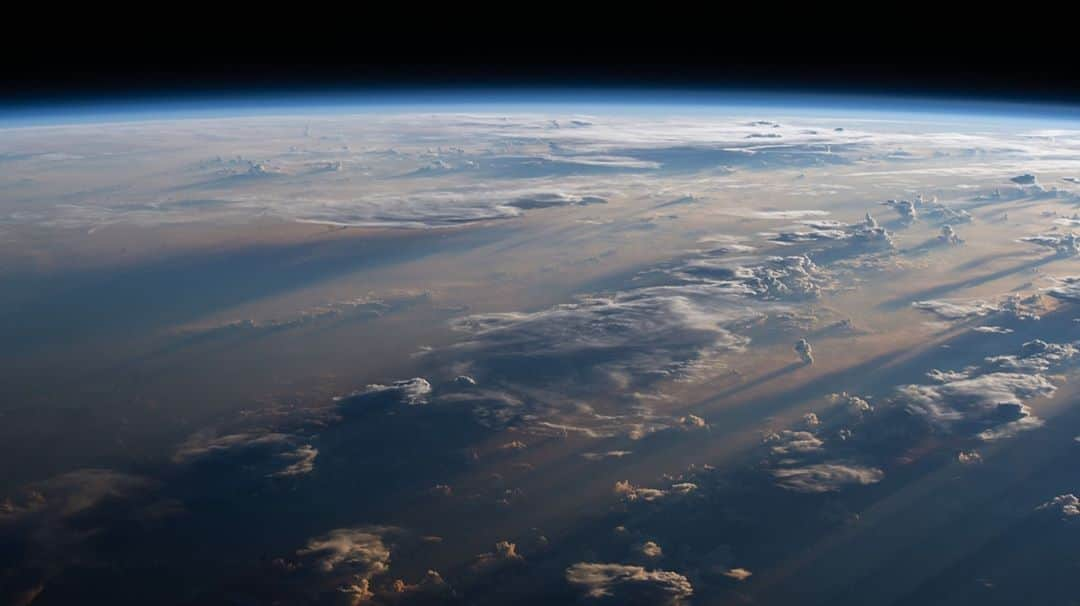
{"points": [[1005, 58]]}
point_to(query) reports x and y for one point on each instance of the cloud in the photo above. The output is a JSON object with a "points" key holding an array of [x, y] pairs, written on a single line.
{"points": [[864, 232], [1067, 289], [627, 584], [904, 208], [413, 391], [968, 457], [552, 199], [1067, 245], [632, 493], [610, 454], [299, 462], [505, 553], [948, 235], [1025, 179], [773, 278], [280, 455], [612, 343], [990, 398], [1067, 504], [789, 442], [739, 574], [993, 330], [1035, 356], [956, 310], [805, 351], [650, 549], [679, 326], [348, 557], [71, 493], [49, 525], [825, 477], [789, 214]]}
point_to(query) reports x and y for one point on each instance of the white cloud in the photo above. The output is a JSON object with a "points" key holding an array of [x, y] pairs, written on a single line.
{"points": [[1067, 504]]}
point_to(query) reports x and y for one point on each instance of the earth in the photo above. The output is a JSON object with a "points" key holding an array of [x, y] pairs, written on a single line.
{"points": [[767, 351]]}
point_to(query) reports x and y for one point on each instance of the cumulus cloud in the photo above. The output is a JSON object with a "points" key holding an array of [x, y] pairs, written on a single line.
{"points": [[968, 457], [505, 553], [789, 442], [627, 584], [904, 208], [825, 477], [348, 558], [949, 236], [650, 549], [805, 351], [929, 209], [1068, 505]]}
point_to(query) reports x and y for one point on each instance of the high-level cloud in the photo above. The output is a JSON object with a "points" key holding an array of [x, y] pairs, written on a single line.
{"points": [[956, 310]]}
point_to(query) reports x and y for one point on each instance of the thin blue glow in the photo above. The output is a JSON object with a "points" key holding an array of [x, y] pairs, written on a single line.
{"points": [[626, 101]]}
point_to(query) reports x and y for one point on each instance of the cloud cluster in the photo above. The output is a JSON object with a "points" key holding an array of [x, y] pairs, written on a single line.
{"points": [[988, 399], [865, 232]]}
